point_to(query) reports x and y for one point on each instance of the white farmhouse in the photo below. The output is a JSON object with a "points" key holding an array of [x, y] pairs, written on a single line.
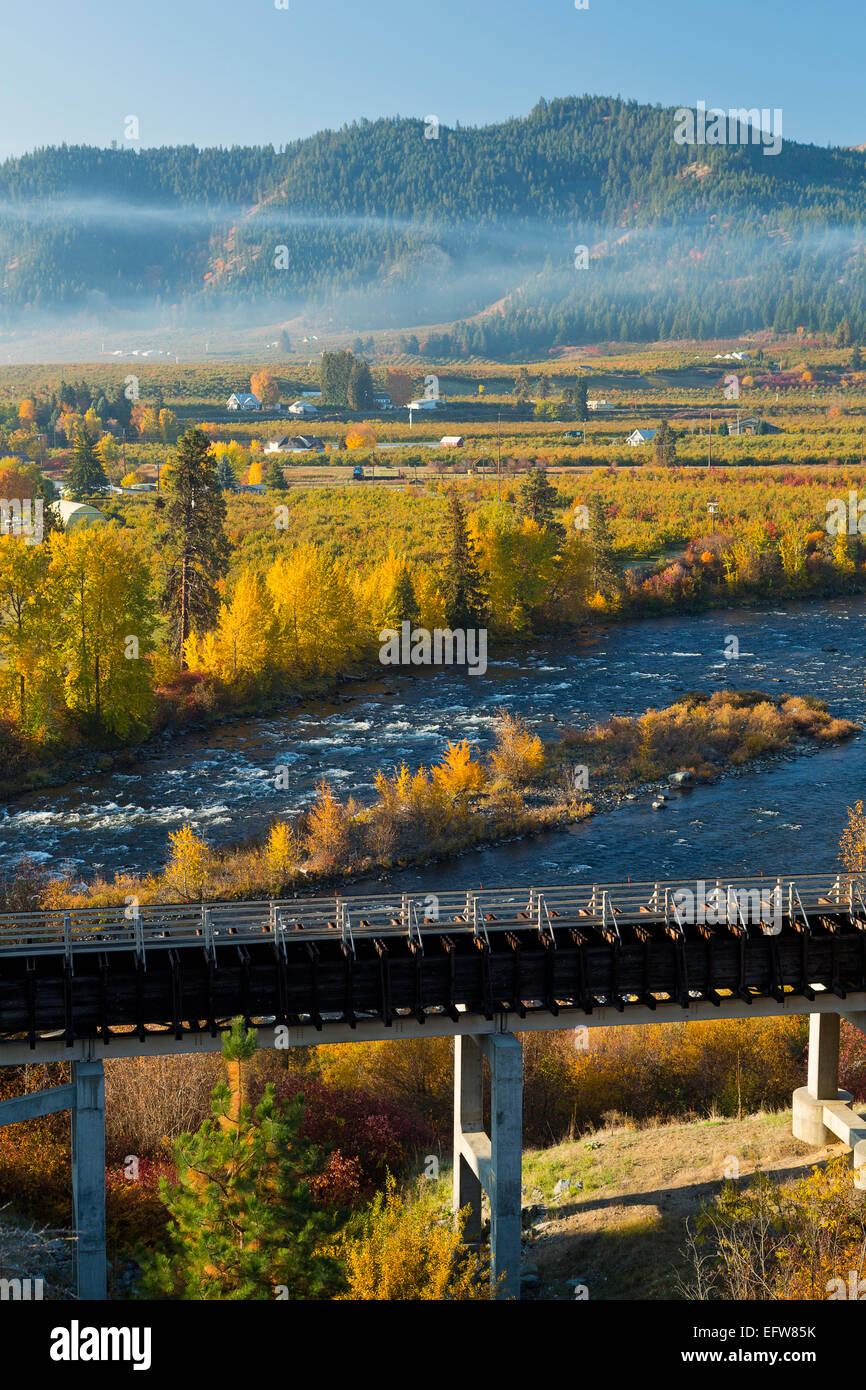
{"points": [[243, 400]]}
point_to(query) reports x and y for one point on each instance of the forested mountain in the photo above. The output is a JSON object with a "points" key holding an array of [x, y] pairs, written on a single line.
{"points": [[375, 225]]}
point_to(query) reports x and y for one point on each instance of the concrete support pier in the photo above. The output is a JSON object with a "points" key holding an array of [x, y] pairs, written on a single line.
{"points": [[492, 1162], [84, 1096], [822, 1086], [88, 1178]]}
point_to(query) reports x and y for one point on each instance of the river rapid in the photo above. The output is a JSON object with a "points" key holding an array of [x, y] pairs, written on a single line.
{"points": [[785, 819]]}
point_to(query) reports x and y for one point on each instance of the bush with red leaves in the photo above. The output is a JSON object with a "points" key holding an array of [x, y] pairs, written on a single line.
{"points": [[367, 1136]]}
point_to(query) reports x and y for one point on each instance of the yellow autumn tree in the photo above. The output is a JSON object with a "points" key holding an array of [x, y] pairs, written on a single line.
{"points": [[361, 436], [327, 841], [108, 449], [429, 602], [265, 385], [852, 846], [255, 476], [519, 754], [317, 623], [281, 851], [385, 595], [101, 583], [401, 1251], [457, 774], [187, 870], [31, 685], [246, 629]]}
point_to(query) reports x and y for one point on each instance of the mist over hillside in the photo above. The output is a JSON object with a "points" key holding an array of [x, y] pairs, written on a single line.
{"points": [[583, 221]]}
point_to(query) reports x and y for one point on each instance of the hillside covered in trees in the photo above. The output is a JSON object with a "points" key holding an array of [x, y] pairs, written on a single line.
{"points": [[377, 225]]}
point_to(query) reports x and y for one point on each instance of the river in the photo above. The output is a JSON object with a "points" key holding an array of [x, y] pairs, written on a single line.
{"points": [[786, 819]]}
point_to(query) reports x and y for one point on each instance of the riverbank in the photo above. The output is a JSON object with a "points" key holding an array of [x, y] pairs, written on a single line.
{"points": [[523, 788], [193, 703]]}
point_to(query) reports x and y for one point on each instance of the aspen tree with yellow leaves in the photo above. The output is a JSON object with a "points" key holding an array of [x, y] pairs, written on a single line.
{"points": [[244, 642], [327, 842], [31, 683], [457, 774], [315, 614], [519, 754], [187, 868], [281, 851], [102, 584]]}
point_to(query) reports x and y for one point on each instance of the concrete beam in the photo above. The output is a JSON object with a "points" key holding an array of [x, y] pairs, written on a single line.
{"points": [[162, 1044], [476, 1149], [88, 1178], [35, 1104]]}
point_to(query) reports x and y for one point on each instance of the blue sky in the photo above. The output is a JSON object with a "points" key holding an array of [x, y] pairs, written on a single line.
{"points": [[243, 72]]}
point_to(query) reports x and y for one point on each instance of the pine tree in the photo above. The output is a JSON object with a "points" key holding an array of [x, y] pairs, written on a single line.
{"points": [[665, 446], [538, 500], [195, 543], [86, 473], [225, 474], [462, 588], [605, 576], [275, 478], [581, 408], [359, 391], [403, 606], [243, 1224]]}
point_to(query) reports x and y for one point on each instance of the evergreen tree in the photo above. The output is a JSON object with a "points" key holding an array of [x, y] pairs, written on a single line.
{"points": [[856, 358], [580, 406], [86, 473], [538, 500], [225, 474], [666, 446], [243, 1224], [195, 543], [359, 392], [522, 385], [462, 588], [605, 575], [334, 372], [275, 479], [402, 605]]}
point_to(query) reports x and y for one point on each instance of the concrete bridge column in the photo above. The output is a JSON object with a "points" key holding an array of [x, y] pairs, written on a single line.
{"points": [[88, 1178], [822, 1081], [494, 1161], [468, 1126], [505, 1056]]}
